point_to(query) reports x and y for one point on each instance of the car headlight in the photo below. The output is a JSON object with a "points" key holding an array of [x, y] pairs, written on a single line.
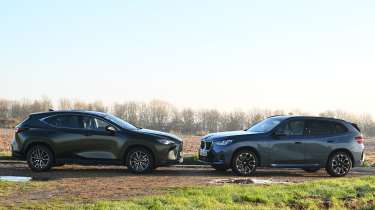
{"points": [[223, 142], [165, 141]]}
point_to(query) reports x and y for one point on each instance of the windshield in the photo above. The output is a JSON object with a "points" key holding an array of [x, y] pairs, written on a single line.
{"points": [[120, 122], [265, 125]]}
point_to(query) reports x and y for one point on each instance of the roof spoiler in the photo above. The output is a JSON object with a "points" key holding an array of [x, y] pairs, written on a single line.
{"points": [[356, 127]]}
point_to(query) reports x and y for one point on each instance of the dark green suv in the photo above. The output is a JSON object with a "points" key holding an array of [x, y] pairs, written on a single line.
{"points": [[85, 137]]}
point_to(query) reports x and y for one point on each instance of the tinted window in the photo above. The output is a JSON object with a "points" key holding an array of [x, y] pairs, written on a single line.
{"points": [[340, 128], [64, 121], [293, 128], [120, 122], [93, 123], [319, 127]]}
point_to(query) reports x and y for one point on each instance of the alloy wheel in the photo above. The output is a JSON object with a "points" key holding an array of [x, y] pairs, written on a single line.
{"points": [[139, 161], [341, 164], [40, 158], [245, 163]]}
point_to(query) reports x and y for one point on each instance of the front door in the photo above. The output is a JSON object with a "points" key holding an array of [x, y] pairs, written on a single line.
{"points": [[287, 146], [99, 144]]}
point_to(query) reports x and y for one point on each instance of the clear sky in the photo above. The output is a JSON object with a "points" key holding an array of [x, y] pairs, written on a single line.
{"points": [[310, 55]]}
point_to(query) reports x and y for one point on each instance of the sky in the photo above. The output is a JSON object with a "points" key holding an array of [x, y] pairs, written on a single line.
{"points": [[306, 55]]}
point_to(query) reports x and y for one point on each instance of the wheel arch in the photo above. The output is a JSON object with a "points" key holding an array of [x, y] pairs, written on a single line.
{"points": [[31, 144], [129, 148], [341, 150]]}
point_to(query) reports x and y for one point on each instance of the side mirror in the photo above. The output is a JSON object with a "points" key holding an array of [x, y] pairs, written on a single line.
{"points": [[110, 129]]}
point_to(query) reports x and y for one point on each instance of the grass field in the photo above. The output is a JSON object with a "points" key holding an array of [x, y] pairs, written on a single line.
{"points": [[345, 193]]}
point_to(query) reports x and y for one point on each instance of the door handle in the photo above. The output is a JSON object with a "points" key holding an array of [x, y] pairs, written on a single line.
{"points": [[297, 142], [330, 141]]}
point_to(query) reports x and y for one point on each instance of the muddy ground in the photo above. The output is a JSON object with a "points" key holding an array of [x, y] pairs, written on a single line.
{"points": [[92, 183]]}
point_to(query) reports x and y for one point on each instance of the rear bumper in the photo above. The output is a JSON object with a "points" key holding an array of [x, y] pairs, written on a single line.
{"points": [[359, 158], [16, 154]]}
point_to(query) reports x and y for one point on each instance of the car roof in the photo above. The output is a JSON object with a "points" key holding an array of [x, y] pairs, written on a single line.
{"points": [[284, 117], [88, 112]]}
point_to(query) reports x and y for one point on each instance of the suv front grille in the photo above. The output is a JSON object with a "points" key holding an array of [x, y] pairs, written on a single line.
{"points": [[206, 145]]}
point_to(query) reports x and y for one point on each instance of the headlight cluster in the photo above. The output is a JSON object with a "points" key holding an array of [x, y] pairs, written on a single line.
{"points": [[165, 141], [223, 142]]}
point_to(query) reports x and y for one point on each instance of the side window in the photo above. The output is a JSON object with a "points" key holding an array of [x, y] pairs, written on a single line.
{"points": [[339, 128], [320, 127], [64, 121], [293, 128], [93, 123]]}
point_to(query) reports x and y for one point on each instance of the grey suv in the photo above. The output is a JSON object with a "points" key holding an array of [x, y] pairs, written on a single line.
{"points": [[309, 143]]}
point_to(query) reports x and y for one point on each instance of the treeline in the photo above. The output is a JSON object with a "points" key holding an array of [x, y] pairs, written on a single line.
{"points": [[161, 115]]}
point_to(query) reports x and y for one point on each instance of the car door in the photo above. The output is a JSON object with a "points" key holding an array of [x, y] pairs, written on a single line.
{"points": [[287, 146], [66, 134], [100, 143], [322, 135]]}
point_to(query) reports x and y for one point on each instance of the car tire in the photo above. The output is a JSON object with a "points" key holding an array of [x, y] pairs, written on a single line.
{"points": [[244, 162], [140, 160], [311, 170], [219, 167], [39, 158], [339, 164]]}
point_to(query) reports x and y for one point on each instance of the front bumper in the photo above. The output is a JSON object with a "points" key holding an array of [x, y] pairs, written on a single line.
{"points": [[211, 154], [171, 155]]}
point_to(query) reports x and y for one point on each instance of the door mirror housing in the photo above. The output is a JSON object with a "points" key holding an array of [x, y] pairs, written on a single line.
{"points": [[110, 129]]}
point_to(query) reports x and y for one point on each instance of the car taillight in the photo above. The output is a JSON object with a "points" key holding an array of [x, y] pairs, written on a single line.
{"points": [[360, 139], [19, 130]]}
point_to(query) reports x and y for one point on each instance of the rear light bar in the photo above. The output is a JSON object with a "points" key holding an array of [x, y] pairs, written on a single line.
{"points": [[19, 130], [360, 139]]}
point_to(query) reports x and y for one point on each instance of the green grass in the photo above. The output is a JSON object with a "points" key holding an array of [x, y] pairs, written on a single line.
{"points": [[343, 193], [5, 156], [3, 153]]}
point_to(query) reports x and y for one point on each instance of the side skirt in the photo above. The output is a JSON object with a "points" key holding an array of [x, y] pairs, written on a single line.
{"points": [[295, 165]]}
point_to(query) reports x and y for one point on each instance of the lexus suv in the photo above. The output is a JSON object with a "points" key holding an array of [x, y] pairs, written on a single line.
{"points": [[85, 137], [309, 143]]}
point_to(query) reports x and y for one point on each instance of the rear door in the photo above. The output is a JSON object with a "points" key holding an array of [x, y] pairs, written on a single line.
{"points": [[287, 147], [66, 134], [322, 136]]}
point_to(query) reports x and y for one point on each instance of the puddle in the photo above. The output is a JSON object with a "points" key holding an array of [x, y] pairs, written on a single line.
{"points": [[245, 181], [15, 178]]}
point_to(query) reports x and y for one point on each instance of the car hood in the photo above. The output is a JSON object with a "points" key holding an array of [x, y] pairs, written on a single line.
{"points": [[228, 134], [159, 134]]}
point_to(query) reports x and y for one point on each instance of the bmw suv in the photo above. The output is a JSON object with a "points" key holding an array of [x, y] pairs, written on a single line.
{"points": [[85, 137], [309, 143]]}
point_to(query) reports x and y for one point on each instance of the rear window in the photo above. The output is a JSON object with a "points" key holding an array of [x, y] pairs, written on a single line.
{"points": [[64, 121], [24, 122], [321, 127]]}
